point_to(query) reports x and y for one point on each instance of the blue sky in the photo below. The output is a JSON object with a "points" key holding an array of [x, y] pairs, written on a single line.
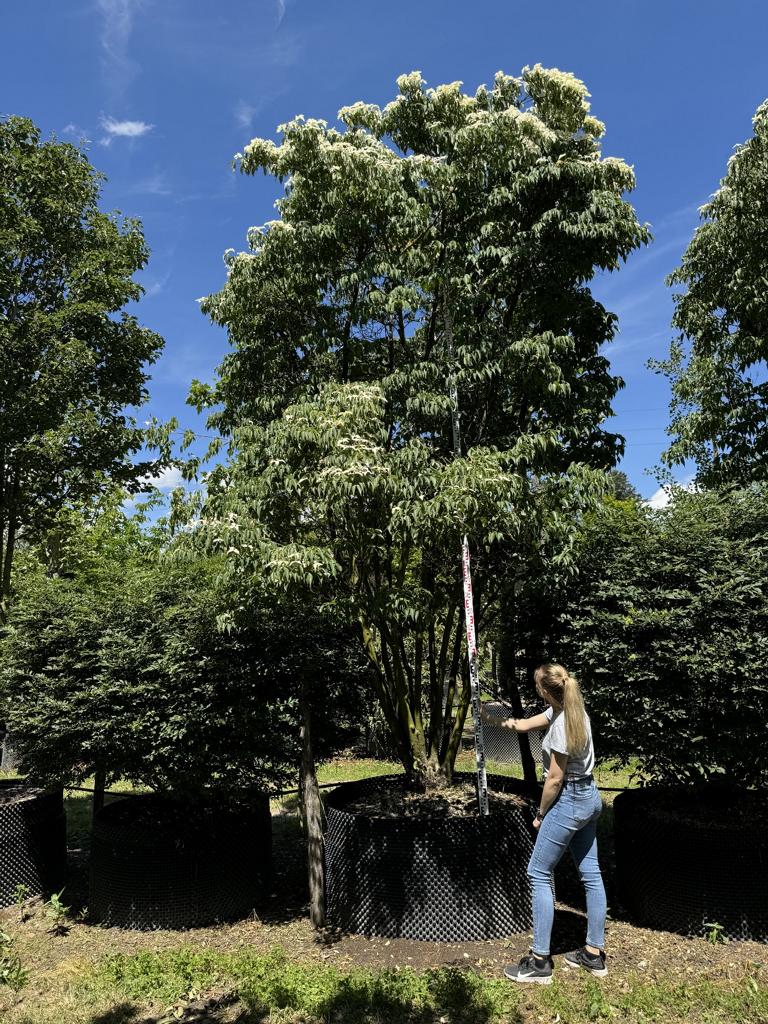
{"points": [[166, 91]]}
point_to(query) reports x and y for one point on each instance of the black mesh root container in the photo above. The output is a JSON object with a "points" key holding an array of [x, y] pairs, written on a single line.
{"points": [[688, 858], [503, 745], [33, 840], [159, 863], [443, 879]]}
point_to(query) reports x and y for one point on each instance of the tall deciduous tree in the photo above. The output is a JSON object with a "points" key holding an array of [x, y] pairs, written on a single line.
{"points": [[718, 364], [446, 236], [70, 360]]}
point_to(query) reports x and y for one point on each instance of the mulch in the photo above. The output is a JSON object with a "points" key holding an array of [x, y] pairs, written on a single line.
{"points": [[456, 801]]}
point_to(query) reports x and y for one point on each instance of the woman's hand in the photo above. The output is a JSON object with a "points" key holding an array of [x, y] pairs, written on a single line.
{"points": [[500, 723], [537, 823]]}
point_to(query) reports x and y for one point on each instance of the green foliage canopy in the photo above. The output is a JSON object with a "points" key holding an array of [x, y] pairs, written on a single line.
{"points": [[719, 386], [70, 361], [118, 664]]}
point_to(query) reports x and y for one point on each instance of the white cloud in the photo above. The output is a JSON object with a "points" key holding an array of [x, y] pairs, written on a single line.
{"points": [[659, 499], [123, 129], [117, 25], [154, 287], [155, 185], [662, 497], [244, 114], [76, 132], [280, 4], [166, 479]]}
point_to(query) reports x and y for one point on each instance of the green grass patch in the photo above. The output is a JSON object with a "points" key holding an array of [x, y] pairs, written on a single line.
{"points": [[274, 988], [352, 769]]}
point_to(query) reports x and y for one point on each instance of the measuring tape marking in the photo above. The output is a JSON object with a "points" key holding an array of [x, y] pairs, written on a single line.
{"points": [[474, 678]]}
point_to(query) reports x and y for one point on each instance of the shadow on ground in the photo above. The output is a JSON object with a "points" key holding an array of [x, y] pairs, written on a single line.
{"points": [[454, 997]]}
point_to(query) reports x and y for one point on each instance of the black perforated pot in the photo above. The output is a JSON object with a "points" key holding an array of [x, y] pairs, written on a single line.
{"points": [[503, 745], [440, 879], [690, 857], [160, 863], [33, 840]]}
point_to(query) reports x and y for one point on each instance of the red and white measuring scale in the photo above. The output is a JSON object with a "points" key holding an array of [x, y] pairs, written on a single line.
{"points": [[469, 612], [474, 680]]}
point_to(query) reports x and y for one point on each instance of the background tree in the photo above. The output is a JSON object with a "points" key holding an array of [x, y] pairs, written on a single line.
{"points": [[445, 236], [620, 486], [717, 366], [70, 361], [666, 625]]}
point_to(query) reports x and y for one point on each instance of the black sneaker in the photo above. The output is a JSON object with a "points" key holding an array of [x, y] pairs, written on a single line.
{"points": [[592, 962], [536, 969]]}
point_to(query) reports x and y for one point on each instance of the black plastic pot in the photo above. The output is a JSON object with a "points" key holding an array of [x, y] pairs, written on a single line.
{"points": [[161, 863], [33, 840], [440, 879], [691, 857]]}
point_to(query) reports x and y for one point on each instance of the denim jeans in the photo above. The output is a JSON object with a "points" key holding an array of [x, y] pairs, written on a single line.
{"points": [[570, 823]]}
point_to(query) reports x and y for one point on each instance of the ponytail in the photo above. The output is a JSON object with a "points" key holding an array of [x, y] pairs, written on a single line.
{"points": [[575, 715], [566, 692]]}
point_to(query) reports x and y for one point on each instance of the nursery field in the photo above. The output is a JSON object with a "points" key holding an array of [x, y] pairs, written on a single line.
{"points": [[387, 498], [274, 968]]}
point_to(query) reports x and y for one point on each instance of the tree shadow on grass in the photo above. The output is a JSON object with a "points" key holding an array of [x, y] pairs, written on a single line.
{"points": [[123, 1013], [203, 1011], [370, 998], [382, 998]]}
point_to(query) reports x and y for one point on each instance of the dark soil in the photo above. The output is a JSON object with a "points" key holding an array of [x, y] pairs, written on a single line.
{"points": [[456, 801]]}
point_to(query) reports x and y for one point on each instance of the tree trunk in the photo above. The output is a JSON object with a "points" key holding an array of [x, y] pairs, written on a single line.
{"points": [[312, 816], [99, 786], [508, 679], [5, 580]]}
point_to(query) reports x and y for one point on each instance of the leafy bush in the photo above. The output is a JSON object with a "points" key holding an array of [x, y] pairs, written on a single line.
{"points": [[667, 627], [120, 666]]}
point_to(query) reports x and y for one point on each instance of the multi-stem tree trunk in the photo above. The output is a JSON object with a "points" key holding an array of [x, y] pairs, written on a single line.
{"points": [[430, 674], [312, 815]]}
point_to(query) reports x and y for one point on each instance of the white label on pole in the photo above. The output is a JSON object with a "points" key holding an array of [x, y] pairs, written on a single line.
{"points": [[469, 619]]}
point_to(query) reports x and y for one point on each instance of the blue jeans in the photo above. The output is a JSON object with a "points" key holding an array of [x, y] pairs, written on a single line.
{"points": [[570, 823]]}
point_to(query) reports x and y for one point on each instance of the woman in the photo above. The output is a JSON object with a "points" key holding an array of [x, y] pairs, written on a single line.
{"points": [[566, 819]]}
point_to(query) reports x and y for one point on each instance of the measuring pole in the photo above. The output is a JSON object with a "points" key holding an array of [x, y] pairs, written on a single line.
{"points": [[469, 613]]}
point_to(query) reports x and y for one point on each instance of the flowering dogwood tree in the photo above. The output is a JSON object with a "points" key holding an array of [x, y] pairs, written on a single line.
{"points": [[445, 237]]}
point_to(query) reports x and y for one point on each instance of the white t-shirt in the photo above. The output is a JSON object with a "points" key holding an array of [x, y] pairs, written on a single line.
{"points": [[554, 739]]}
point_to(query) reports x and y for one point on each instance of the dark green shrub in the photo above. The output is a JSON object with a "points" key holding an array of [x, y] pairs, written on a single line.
{"points": [[667, 628], [121, 666]]}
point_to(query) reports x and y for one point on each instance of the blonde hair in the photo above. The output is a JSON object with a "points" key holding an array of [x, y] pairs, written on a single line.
{"points": [[566, 693]]}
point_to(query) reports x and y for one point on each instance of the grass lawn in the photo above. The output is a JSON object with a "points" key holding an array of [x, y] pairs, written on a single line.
{"points": [[273, 969]]}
